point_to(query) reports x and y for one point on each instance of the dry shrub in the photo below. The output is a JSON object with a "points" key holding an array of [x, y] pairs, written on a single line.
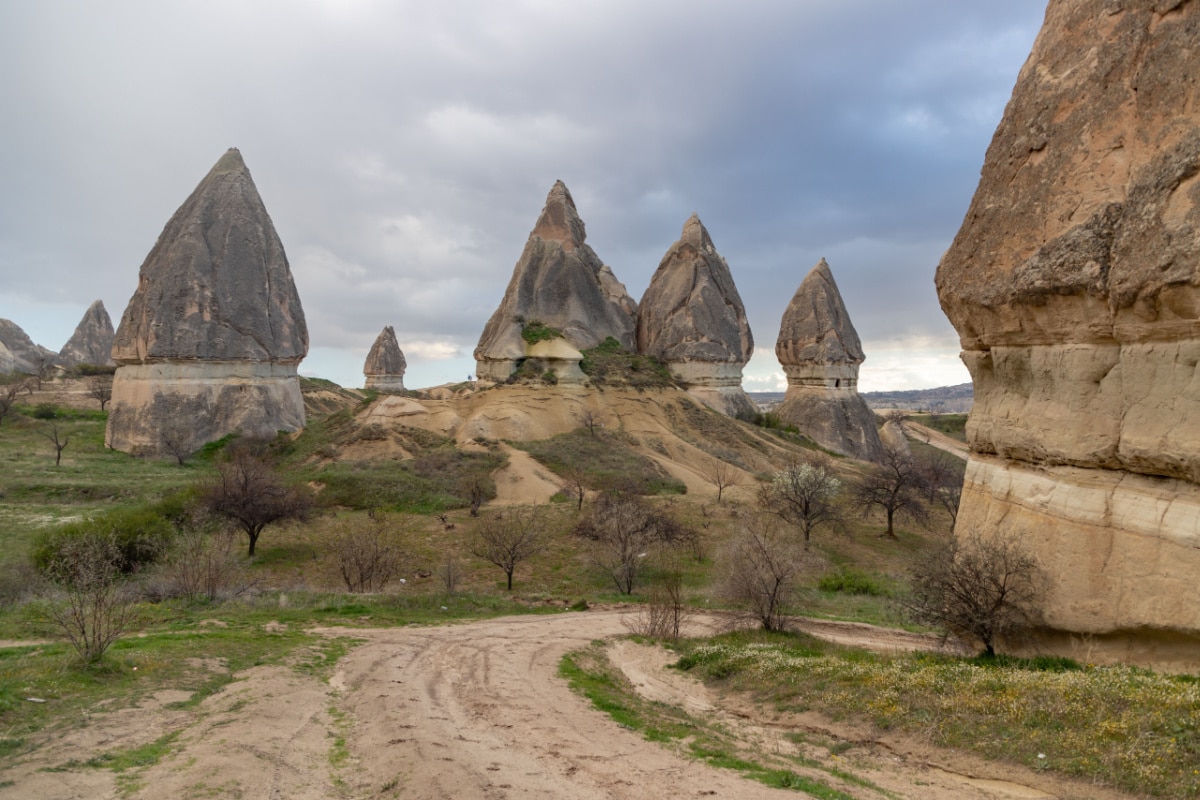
{"points": [[205, 566], [450, 574], [508, 537], [96, 606], [762, 568], [665, 612], [367, 553]]}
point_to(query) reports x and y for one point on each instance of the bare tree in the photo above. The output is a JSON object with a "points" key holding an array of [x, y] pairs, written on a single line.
{"points": [[665, 611], [176, 437], [8, 397], [943, 481], [366, 553], [450, 574], [203, 565], [722, 475], [250, 492], [57, 437], [624, 531], [574, 486], [97, 608], [591, 420], [805, 494], [99, 388], [894, 484], [43, 369], [761, 571], [987, 588], [510, 537]]}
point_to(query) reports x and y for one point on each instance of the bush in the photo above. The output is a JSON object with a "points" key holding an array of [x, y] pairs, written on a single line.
{"points": [[140, 535], [45, 411], [367, 554], [535, 331], [97, 607], [204, 565], [848, 580], [610, 363]]}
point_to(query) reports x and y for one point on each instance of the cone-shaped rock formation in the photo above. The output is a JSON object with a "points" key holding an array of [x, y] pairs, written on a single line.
{"points": [[22, 354], [820, 353], [1074, 284], [92, 341], [385, 364], [560, 282], [211, 339], [692, 318]]}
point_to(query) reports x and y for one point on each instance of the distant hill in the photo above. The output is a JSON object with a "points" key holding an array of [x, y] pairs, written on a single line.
{"points": [[947, 399]]}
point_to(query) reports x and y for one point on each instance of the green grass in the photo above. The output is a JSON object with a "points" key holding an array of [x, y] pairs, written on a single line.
{"points": [[534, 331], [953, 425], [610, 364], [1133, 729], [589, 673], [436, 481], [604, 462]]}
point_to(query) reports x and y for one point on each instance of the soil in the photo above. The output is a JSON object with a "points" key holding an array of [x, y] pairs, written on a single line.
{"points": [[936, 438], [477, 710]]}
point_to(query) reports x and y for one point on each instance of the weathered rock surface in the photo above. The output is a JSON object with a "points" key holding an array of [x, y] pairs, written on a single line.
{"points": [[23, 354], [692, 318], [92, 341], [558, 281], [820, 353], [385, 364], [1074, 284], [215, 331]]}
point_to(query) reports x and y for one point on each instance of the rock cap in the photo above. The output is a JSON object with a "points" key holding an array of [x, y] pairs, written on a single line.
{"points": [[816, 327], [385, 357]]}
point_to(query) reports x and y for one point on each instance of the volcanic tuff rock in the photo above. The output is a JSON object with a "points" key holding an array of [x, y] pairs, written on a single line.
{"points": [[24, 354], [215, 330], [560, 282], [692, 318], [820, 354], [1074, 284], [385, 363], [92, 341]]}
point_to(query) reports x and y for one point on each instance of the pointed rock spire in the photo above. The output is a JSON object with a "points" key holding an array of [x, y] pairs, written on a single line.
{"points": [[820, 353], [217, 284], [22, 354], [92, 341], [560, 282], [692, 317], [385, 364], [816, 327], [210, 341]]}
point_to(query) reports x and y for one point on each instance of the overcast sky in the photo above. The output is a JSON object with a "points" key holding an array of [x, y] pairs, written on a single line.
{"points": [[404, 150]]}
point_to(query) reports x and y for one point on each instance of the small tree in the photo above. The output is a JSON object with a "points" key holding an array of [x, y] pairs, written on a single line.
{"points": [[96, 609], [805, 495], [985, 588], [896, 485], [665, 612], [175, 438], [761, 572], [59, 438], [250, 492], [510, 537], [591, 420], [722, 475], [943, 481], [366, 553], [8, 397], [203, 565], [43, 368], [574, 485], [99, 388], [624, 531]]}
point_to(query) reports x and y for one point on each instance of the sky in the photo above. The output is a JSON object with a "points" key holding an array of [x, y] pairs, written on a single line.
{"points": [[404, 150]]}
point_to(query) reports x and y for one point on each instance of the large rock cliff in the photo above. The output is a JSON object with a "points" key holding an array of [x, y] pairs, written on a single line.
{"points": [[558, 281], [820, 353], [1074, 284], [211, 339], [92, 341]]}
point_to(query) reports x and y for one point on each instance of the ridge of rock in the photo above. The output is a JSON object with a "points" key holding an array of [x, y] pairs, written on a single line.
{"points": [[92, 341], [23, 354], [385, 364], [1074, 286], [558, 281], [692, 318], [820, 353]]}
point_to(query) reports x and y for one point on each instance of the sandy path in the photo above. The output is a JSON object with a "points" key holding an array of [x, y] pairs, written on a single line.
{"points": [[936, 438]]}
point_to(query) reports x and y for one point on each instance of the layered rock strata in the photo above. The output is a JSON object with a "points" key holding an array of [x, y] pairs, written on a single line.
{"points": [[1074, 284], [692, 318], [92, 341], [820, 353], [211, 339], [385, 364], [560, 282]]}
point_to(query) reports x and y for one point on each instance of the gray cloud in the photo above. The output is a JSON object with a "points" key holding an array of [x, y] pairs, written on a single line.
{"points": [[404, 149]]}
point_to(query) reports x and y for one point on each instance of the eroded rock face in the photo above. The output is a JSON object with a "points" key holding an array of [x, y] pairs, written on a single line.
{"points": [[215, 331], [560, 282], [1075, 288], [692, 318], [820, 353], [22, 354], [92, 341], [385, 364]]}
